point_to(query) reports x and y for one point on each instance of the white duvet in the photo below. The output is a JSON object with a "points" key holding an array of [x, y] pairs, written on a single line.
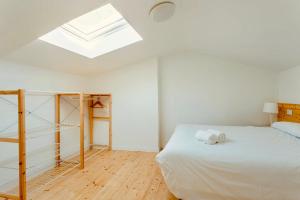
{"points": [[255, 163]]}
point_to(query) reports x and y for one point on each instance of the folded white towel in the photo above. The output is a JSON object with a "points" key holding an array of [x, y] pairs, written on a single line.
{"points": [[206, 137], [221, 135]]}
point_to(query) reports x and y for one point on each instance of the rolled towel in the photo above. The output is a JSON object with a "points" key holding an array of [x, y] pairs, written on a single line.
{"points": [[221, 135], [206, 137]]}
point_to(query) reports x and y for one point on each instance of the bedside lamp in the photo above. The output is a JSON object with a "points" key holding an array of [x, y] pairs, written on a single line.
{"points": [[271, 109]]}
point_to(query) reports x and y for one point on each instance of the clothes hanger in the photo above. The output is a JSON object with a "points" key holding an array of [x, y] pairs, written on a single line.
{"points": [[98, 103]]}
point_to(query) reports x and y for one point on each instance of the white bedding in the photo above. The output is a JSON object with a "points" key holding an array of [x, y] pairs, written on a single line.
{"points": [[255, 163]]}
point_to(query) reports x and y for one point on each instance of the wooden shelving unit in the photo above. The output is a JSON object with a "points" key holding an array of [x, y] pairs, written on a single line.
{"points": [[21, 140]]}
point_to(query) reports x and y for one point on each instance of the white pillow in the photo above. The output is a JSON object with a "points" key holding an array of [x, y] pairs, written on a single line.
{"points": [[288, 127]]}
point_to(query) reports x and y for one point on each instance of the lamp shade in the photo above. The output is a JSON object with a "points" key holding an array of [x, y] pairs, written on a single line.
{"points": [[270, 108]]}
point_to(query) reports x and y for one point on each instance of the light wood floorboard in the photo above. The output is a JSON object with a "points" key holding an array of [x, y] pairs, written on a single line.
{"points": [[110, 175]]}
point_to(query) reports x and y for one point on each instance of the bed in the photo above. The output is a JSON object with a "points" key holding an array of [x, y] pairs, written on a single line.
{"points": [[255, 163]]}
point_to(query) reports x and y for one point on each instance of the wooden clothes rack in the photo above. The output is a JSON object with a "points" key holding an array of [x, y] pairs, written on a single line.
{"points": [[21, 140], [92, 117]]}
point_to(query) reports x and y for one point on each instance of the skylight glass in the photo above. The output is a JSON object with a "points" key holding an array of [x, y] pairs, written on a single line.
{"points": [[93, 34]]}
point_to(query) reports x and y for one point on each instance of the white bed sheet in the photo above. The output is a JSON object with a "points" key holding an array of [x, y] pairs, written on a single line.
{"points": [[255, 163]]}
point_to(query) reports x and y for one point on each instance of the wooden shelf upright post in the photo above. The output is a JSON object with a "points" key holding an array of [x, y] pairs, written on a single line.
{"points": [[57, 133], [22, 145], [91, 121], [81, 99], [110, 123]]}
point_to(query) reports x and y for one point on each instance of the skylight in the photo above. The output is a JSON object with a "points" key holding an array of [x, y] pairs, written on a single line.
{"points": [[93, 34]]}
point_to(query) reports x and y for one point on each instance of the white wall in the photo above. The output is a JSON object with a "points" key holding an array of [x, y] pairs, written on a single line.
{"points": [[19, 76], [289, 86], [134, 92], [207, 90], [40, 149]]}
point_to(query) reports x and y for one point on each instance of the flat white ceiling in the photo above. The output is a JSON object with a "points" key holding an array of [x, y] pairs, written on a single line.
{"points": [[263, 33]]}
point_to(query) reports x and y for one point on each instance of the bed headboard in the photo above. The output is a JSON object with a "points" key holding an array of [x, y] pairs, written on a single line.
{"points": [[288, 112]]}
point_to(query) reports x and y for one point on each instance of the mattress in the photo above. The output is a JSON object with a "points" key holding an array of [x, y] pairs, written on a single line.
{"points": [[255, 163]]}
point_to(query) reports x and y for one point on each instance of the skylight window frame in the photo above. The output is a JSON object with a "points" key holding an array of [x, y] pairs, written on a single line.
{"points": [[70, 31], [100, 41]]}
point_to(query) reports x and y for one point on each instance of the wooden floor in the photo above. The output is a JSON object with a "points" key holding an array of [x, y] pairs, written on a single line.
{"points": [[119, 175]]}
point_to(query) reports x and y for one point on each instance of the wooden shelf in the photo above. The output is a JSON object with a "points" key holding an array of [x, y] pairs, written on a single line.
{"points": [[9, 92], [9, 196], [9, 140], [102, 118]]}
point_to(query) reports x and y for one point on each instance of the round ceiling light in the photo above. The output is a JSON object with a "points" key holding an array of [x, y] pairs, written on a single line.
{"points": [[162, 11]]}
